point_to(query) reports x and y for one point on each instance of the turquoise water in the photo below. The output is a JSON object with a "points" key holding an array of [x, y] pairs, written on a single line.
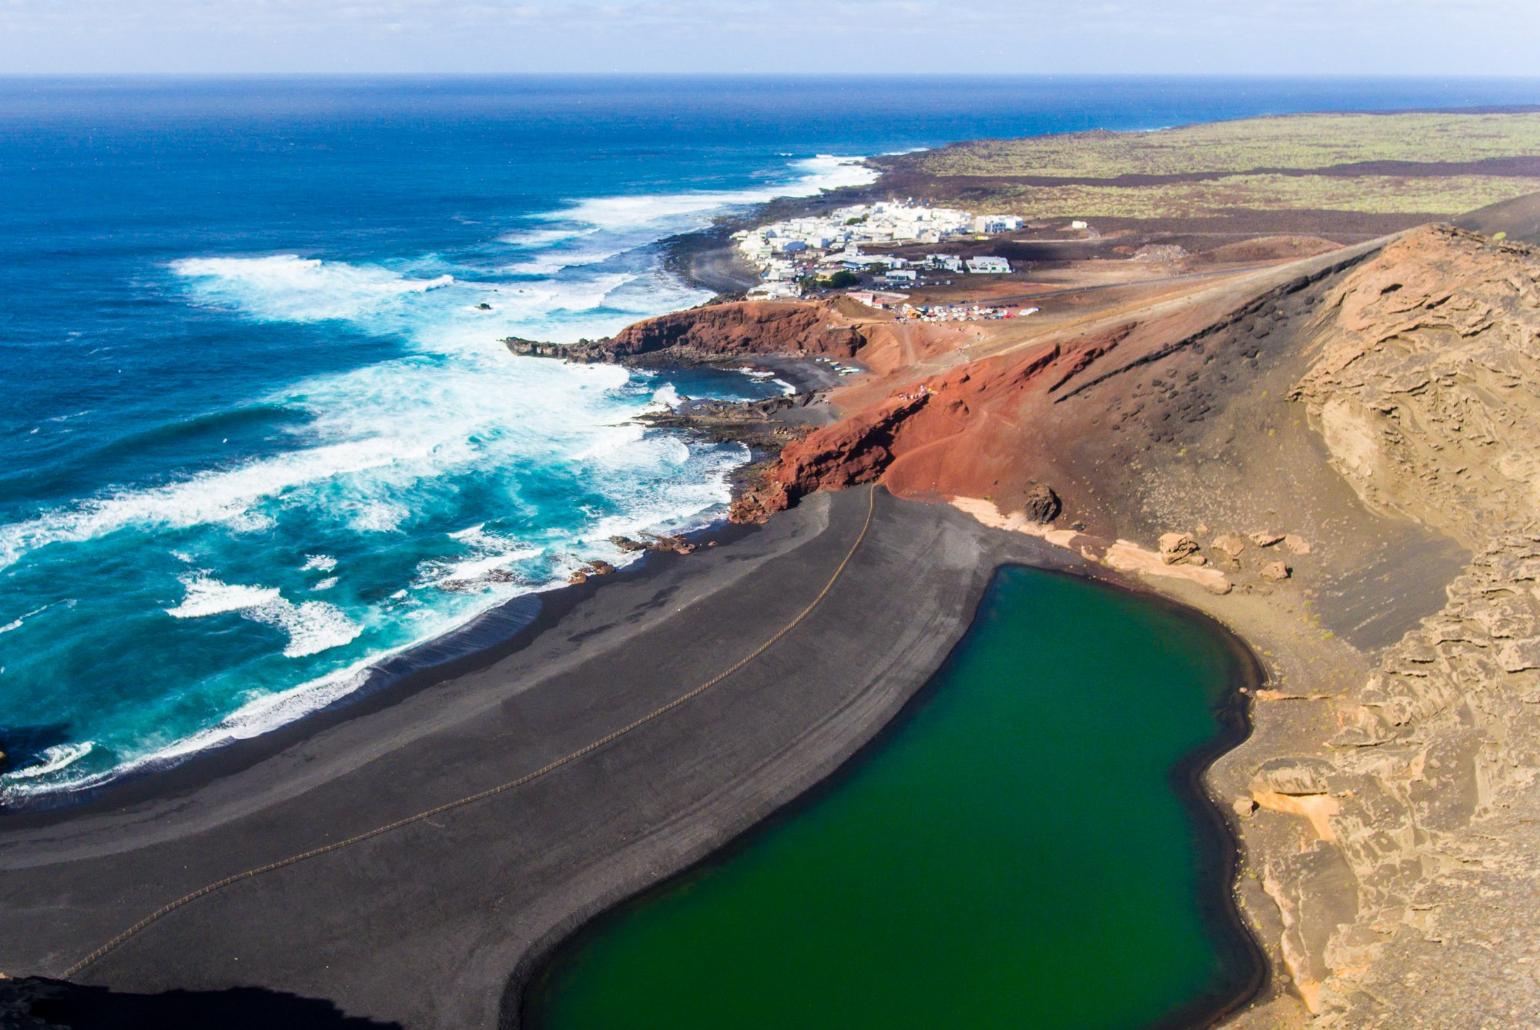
{"points": [[258, 430], [1017, 851]]}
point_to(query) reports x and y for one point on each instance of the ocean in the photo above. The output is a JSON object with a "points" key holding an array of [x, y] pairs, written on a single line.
{"points": [[259, 429]]}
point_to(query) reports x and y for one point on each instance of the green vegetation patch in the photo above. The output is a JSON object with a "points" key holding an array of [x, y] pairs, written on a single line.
{"points": [[1376, 194], [1297, 141]]}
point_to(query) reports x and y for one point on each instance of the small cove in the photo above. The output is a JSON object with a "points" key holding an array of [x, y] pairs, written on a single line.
{"points": [[1025, 846]]}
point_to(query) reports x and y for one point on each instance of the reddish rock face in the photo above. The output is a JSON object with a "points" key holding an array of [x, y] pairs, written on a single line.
{"points": [[744, 327], [956, 432], [854, 450]]}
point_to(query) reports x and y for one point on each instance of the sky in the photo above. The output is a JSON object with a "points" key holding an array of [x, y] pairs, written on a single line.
{"points": [[1331, 37]]}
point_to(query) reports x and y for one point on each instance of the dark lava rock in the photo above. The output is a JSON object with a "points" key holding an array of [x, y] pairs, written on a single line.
{"points": [[1042, 504]]}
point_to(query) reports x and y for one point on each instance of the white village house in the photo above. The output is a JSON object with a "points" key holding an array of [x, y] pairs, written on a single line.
{"points": [[989, 266]]}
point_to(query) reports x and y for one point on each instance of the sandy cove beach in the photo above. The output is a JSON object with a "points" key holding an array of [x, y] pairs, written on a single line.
{"points": [[424, 925]]}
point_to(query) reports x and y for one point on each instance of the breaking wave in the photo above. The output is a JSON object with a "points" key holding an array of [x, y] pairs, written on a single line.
{"points": [[369, 474]]}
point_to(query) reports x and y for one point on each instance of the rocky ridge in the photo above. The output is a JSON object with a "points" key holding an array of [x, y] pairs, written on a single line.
{"points": [[1404, 903]]}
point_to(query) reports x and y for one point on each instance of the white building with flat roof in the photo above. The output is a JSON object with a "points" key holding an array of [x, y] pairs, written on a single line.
{"points": [[997, 223], [989, 266]]}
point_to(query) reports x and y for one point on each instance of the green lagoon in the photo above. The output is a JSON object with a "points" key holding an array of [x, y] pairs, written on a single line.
{"points": [[1023, 848]]}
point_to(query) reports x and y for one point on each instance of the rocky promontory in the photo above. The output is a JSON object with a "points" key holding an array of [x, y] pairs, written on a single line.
{"points": [[714, 332]]}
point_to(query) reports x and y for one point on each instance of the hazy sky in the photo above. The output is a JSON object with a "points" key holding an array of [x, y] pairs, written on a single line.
{"points": [[1420, 37]]}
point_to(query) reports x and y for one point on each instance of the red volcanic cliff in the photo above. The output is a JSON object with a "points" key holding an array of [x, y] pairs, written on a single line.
{"points": [[746, 327], [714, 332], [1001, 426], [953, 432], [839, 328]]}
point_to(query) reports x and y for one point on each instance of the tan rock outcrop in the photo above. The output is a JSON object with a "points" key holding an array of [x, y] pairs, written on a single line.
{"points": [[1423, 805], [1176, 547]]}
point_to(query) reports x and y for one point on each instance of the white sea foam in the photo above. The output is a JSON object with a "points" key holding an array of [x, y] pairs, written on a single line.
{"points": [[378, 437], [207, 596], [318, 563], [666, 396], [55, 758], [679, 211], [476, 569], [224, 496], [297, 289], [17, 622], [542, 237], [376, 516], [311, 626]]}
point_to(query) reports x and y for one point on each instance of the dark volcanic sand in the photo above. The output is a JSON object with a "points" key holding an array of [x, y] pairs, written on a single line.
{"points": [[423, 925]]}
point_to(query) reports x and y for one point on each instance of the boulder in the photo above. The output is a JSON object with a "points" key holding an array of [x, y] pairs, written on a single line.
{"points": [[671, 544], [1042, 504], [1262, 538], [1275, 571], [590, 569], [1296, 544], [1177, 547], [1230, 545]]}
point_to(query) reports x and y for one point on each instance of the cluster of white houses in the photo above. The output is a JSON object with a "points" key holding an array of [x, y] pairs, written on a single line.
{"points": [[899, 304], [821, 245]]}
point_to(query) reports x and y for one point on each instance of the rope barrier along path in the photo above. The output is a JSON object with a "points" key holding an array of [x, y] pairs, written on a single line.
{"points": [[481, 795]]}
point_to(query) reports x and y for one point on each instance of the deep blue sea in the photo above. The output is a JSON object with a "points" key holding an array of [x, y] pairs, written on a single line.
{"points": [[257, 431]]}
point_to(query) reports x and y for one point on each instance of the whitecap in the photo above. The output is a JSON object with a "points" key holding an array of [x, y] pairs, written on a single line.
{"points": [[318, 563], [224, 496], [311, 626], [543, 237], [17, 622], [207, 596], [291, 288], [679, 211], [54, 758], [376, 516]]}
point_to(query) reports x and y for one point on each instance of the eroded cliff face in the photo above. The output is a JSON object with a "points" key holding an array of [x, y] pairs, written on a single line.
{"points": [[1414, 897], [1341, 461]]}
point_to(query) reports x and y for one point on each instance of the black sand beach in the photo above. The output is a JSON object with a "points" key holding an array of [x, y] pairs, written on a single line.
{"points": [[423, 925]]}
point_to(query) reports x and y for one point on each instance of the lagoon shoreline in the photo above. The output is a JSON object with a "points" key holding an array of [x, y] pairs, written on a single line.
{"points": [[375, 749], [1218, 854]]}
